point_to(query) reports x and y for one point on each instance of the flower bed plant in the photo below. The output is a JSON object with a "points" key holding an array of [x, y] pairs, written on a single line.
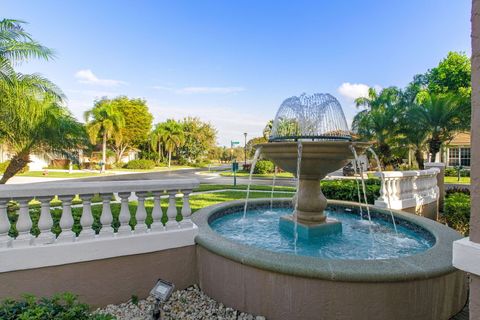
{"points": [[59, 307]]}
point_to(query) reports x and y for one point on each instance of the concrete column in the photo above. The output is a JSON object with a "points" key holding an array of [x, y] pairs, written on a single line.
{"points": [[475, 159], [440, 181]]}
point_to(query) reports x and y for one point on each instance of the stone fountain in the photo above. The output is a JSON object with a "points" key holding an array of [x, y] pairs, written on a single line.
{"points": [[316, 123]]}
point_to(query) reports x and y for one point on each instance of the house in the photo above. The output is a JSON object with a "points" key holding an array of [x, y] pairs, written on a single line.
{"points": [[457, 151]]}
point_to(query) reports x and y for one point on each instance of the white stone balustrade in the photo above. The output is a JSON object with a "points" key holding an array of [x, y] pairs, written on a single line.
{"points": [[66, 191], [408, 189]]}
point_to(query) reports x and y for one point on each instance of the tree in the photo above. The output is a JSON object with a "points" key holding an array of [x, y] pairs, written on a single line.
{"points": [[451, 76], [170, 134], [379, 122], [106, 120], [199, 138], [137, 125], [441, 115], [34, 119], [16, 45]]}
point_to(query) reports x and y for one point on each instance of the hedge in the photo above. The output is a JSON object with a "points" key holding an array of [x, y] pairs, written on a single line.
{"points": [[264, 167], [457, 212], [347, 190], [140, 164]]}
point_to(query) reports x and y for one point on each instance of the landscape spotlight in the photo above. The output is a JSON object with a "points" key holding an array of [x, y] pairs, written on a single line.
{"points": [[161, 292]]}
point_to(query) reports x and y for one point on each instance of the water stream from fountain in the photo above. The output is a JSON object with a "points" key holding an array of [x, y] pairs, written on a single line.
{"points": [[254, 162], [273, 187], [384, 185], [360, 169], [358, 190], [295, 218]]}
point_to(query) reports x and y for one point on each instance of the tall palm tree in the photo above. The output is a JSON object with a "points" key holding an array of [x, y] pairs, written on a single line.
{"points": [[33, 118], [156, 139], [441, 115], [379, 122], [106, 120], [171, 134], [17, 45]]}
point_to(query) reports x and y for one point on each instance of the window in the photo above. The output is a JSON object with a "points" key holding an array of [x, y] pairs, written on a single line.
{"points": [[465, 157], [459, 156]]}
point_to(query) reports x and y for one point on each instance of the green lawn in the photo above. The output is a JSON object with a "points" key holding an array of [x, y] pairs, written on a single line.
{"points": [[246, 174], [152, 170], [196, 202], [60, 174], [463, 180]]}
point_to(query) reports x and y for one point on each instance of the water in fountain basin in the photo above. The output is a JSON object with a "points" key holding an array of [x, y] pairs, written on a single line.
{"points": [[254, 162], [354, 242], [387, 193]]}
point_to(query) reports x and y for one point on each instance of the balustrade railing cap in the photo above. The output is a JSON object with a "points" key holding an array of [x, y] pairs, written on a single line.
{"points": [[409, 173], [93, 187]]}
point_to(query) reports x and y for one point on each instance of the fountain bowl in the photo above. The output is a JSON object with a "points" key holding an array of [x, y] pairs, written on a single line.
{"points": [[278, 285], [318, 158]]}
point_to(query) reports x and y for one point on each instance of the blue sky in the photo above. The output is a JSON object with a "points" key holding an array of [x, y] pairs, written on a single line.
{"points": [[233, 62]]}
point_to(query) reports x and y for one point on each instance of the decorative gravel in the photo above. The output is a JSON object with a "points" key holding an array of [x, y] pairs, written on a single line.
{"points": [[188, 304]]}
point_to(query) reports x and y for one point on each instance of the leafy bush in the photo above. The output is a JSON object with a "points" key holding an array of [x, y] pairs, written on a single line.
{"points": [[347, 190], [264, 167], [453, 172], [140, 164], [457, 212], [59, 307]]}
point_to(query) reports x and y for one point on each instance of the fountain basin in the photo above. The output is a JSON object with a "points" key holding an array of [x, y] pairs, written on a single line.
{"points": [[286, 286]]}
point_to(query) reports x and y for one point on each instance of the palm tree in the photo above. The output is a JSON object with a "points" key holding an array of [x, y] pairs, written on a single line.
{"points": [[171, 135], [441, 116], [106, 120], [34, 119], [16, 45], [413, 135], [379, 121], [156, 139]]}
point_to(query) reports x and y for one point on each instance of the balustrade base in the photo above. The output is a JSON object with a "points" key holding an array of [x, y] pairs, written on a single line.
{"points": [[45, 238], [141, 228], [106, 232], [23, 241], [186, 223], [66, 236], [124, 231], [88, 234], [171, 225], [157, 226]]}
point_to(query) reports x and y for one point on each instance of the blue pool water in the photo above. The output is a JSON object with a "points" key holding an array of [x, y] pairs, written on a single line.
{"points": [[359, 239]]}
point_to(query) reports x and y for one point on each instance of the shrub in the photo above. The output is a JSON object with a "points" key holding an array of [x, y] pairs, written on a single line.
{"points": [[347, 190], [59, 307], [264, 167], [457, 189], [140, 164], [457, 212], [453, 172]]}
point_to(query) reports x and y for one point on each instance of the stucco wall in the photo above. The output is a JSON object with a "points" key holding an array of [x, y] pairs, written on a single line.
{"points": [[106, 281]]}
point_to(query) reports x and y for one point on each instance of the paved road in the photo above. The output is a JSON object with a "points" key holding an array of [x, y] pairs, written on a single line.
{"points": [[200, 174]]}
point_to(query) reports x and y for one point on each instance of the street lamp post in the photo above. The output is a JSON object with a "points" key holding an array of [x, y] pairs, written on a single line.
{"points": [[245, 149]]}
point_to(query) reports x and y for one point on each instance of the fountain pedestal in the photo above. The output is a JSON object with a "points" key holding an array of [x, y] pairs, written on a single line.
{"points": [[318, 158], [307, 230]]}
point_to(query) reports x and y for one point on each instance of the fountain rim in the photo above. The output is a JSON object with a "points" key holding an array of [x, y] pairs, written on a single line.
{"points": [[434, 262]]}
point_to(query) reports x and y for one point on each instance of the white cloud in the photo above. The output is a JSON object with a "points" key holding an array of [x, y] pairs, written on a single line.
{"points": [[88, 77], [201, 90], [353, 91]]}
